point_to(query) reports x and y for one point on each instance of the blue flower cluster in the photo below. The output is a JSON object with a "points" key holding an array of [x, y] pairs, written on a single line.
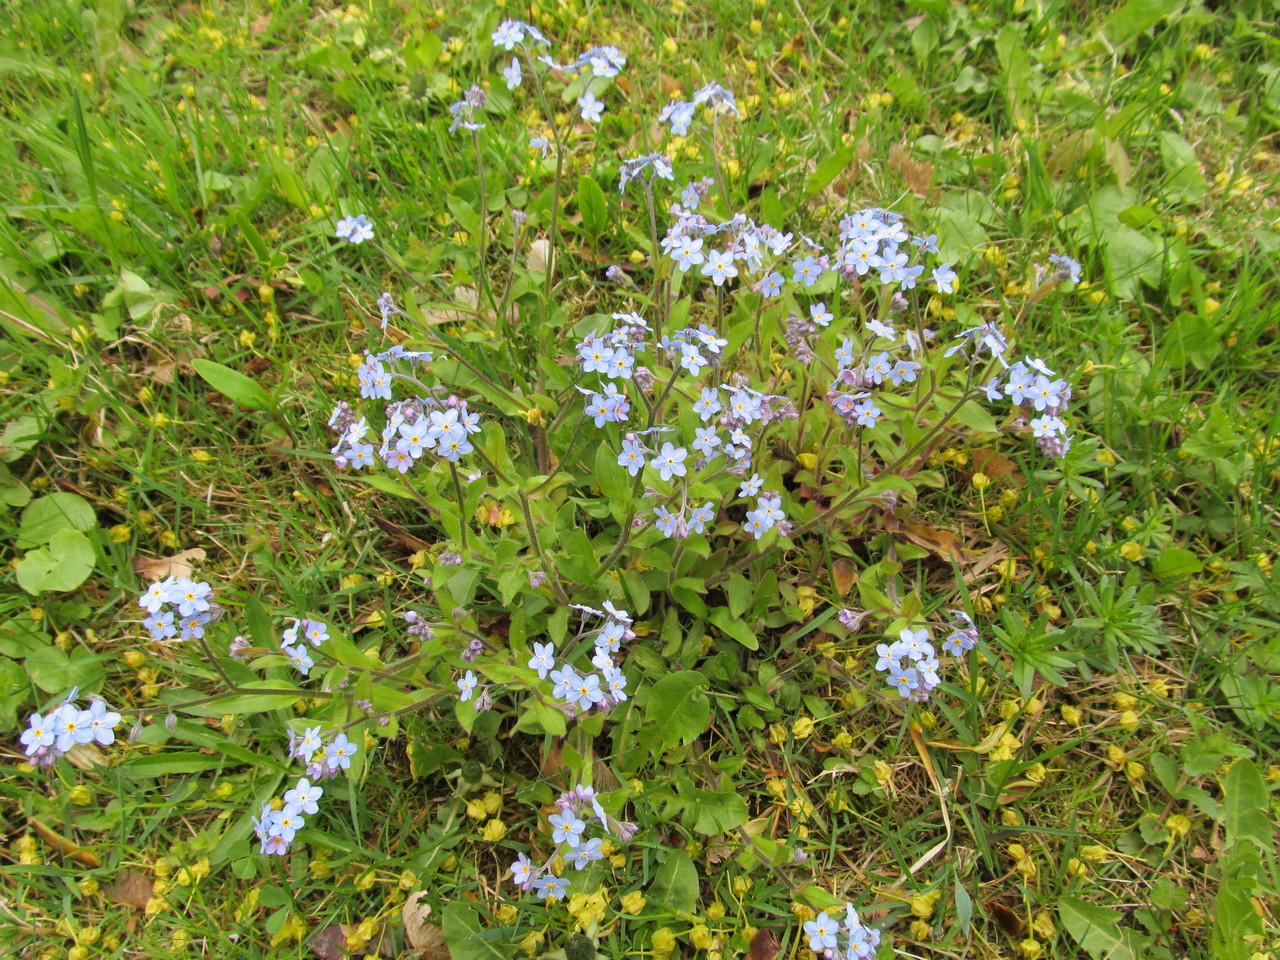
{"points": [[191, 602], [910, 664], [48, 736], [579, 809], [277, 825], [355, 229], [314, 632], [826, 933], [679, 113], [413, 426]]}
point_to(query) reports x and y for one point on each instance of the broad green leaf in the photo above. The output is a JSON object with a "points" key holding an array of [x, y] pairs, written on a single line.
{"points": [[232, 383], [717, 811], [676, 883], [1098, 931], [380, 481], [593, 206], [251, 236], [678, 708], [56, 672], [1184, 180], [45, 516], [1129, 257], [18, 436], [1246, 807], [166, 764], [1237, 926], [63, 565], [250, 702], [828, 170], [466, 937], [734, 627], [1176, 562], [1137, 17]]}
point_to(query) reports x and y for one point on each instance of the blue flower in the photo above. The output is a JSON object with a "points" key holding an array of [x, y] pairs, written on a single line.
{"points": [[708, 404], [771, 286], [339, 753], [590, 107], [566, 828], [513, 74], [467, 686], [945, 278], [820, 314], [822, 933], [551, 886], [304, 796], [666, 521], [688, 253], [751, 487], [632, 456], [719, 267], [355, 229], [702, 516], [543, 659], [670, 461], [806, 271]]}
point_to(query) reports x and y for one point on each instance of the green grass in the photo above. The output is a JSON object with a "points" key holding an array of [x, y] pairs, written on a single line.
{"points": [[171, 177]]}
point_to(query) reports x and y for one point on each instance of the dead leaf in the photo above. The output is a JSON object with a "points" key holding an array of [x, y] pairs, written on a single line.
{"points": [[540, 256], [130, 888], [916, 174], [329, 943], [259, 26], [426, 938], [764, 946], [179, 565], [941, 543], [1009, 921], [68, 848], [995, 465], [843, 575]]}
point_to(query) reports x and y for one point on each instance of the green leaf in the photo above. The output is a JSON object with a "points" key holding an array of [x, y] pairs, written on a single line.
{"points": [[45, 516], [593, 206], [722, 618], [233, 384], [1237, 926], [975, 417], [1184, 179], [1246, 807], [1176, 562], [718, 811], [55, 672], [828, 170], [250, 702], [166, 764], [1137, 17], [380, 481], [465, 935], [675, 884], [1098, 931], [251, 236], [465, 214], [61, 566], [677, 708], [1129, 257]]}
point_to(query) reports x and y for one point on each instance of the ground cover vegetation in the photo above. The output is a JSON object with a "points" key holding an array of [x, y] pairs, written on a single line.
{"points": [[695, 479]]}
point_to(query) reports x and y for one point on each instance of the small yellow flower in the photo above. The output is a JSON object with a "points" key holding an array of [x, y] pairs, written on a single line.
{"points": [[1132, 551], [1177, 825], [633, 903], [494, 830], [802, 728]]}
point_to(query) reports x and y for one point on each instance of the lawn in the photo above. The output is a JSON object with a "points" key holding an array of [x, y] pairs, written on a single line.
{"points": [[577, 479]]}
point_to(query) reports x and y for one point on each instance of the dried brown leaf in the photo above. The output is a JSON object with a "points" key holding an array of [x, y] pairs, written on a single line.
{"points": [[995, 465], [916, 174], [427, 939], [66, 847], [843, 575], [764, 946], [1009, 921], [179, 565], [941, 543], [131, 888]]}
